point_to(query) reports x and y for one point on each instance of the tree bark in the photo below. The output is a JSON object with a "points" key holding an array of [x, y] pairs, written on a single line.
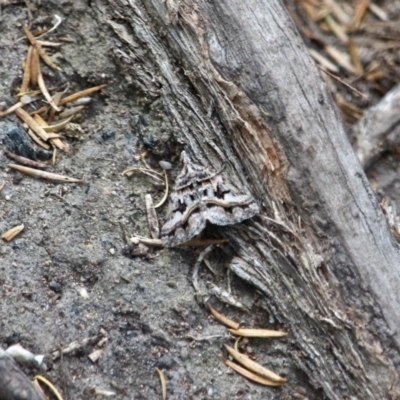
{"points": [[238, 81]]}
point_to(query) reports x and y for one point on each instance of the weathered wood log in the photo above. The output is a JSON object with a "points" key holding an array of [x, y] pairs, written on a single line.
{"points": [[238, 81], [378, 130]]}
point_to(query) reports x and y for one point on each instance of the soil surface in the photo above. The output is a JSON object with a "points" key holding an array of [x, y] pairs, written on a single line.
{"points": [[140, 310]]}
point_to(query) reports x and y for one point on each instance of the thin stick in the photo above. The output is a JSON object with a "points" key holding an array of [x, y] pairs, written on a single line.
{"points": [[82, 93], [43, 174], [10, 109], [342, 82], [25, 161]]}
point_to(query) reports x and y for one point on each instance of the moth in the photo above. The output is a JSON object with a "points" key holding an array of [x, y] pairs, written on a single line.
{"points": [[202, 195]]}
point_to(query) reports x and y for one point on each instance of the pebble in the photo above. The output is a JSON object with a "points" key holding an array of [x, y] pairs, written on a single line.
{"points": [[55, 287], [83, 293], [165, 165]]}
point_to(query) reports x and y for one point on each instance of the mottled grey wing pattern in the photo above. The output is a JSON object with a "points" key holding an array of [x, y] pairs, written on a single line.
{"points": [[200, 195]]}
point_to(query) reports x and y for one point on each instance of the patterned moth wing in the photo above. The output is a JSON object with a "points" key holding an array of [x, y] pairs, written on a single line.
{"points": [[201, 195]]}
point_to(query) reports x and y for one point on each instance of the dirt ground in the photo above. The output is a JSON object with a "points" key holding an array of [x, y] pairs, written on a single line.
{"points": [[141, 311], [75, 235]]}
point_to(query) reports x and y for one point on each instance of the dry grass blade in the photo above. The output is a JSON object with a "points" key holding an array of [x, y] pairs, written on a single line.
{"points": [[337, 11], [57, 127], [163, 383], [336, 29], [27, 71], [82, 93], [49, 385], [250, 375], [34, 67], [355, 59], [38, 140], [56, 99], [32, 124], [70, 112], [44, 90], [162, 201], [11, 233], [10, 109], [43, 174], [152, 217], [352, 112], [381, 14], [40, 50], [359, 12], [258, 333], [253, 366], [150, 172], [2, 186], [54, 140], [222, 319], [341, 58], [323, 61]]}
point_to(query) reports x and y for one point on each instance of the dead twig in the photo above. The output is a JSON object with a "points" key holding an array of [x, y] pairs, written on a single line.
{"points": [[75, 346], [26, 161], [43, 174], [343, 82]]}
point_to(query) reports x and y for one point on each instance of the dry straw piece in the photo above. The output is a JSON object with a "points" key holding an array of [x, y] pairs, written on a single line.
{"points": [[250, 375], [257, 333], [253, 366], [222, 319], [39, 378], [12, 233], [32, 124], [43, 174], [163, 383]]}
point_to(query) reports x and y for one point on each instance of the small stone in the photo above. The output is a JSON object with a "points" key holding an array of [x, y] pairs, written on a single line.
{"points": [[83, 293], [165, 165], [25, 99], [55, 287], [112, 251]]}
